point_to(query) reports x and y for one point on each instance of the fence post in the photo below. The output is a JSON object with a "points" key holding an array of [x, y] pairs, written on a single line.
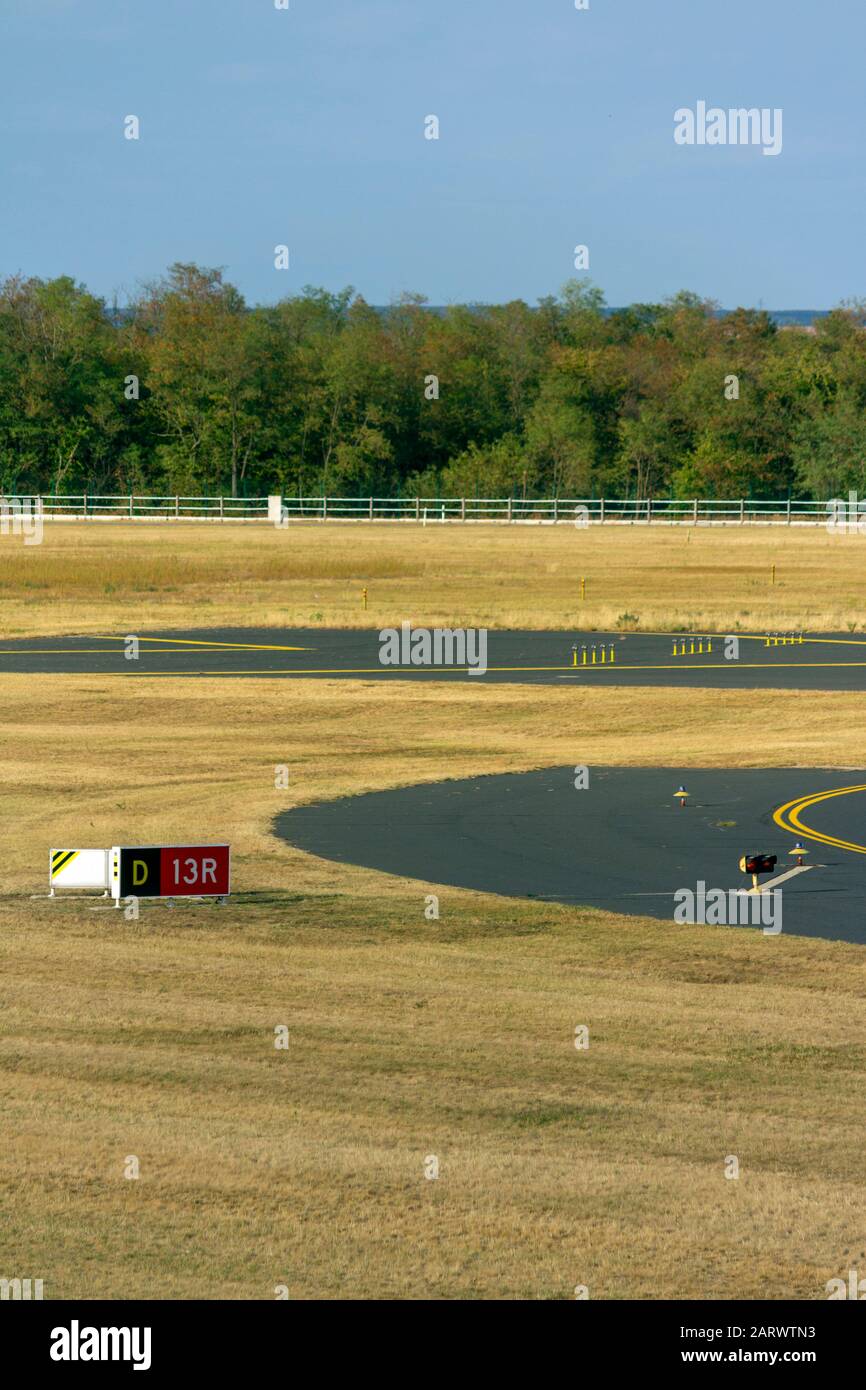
{"points": [[177, 507], [371, 509], [222, 507], [324, 509], [601, 511], [555, 510], [85, 506], [695, 513], [417, 508], [789, 512], [742, 511], [510, 509]]}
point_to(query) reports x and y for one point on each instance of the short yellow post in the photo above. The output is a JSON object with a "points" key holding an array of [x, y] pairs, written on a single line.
{"points": [[583, 655], [574, 655], [691, 646], [364, 596], [582, 590], [612, 653], [593, 654], [603, 654], [709, 644], [674, 652]]}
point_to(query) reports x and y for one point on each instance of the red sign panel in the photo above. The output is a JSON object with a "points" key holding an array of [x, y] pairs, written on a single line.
{"points": [[174, 871], [194, 871]]}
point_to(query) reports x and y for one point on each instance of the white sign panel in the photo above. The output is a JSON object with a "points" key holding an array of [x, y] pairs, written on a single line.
{"points": [[78, 868]]}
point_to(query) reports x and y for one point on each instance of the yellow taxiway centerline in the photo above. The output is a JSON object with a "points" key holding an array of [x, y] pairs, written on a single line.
{"points": [[212, 644], [788, 817], [609, 667], [112, 651]]}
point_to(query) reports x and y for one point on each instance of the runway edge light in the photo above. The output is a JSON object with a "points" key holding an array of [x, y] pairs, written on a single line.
{"points": [[798, 852], [681, 793]]}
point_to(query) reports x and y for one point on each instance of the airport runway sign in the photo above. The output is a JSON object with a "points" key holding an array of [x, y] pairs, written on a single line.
{"points": [[170, 871]]}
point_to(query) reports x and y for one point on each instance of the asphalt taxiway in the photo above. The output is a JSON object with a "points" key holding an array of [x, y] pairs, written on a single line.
{"points": [[817, 662], [623, 843]]}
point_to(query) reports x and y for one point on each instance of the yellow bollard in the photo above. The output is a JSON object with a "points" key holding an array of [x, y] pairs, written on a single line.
{"points": [[612, 653], [700, 646], [592, 663], [603, 654], [574, 656], [674, 652], [583, 655], [683, 647], [709, 644]]}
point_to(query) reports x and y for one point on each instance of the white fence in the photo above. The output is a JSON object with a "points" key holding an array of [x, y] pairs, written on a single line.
{"points": [[431, 510]]}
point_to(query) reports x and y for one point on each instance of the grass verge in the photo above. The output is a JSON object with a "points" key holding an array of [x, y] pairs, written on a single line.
{"points": [[130, 578], [407, 1038]]}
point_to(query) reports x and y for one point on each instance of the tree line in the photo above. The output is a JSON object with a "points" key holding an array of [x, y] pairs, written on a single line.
{"points": [[188, 390]]}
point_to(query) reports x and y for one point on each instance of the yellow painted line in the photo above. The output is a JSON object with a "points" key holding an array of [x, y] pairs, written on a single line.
{"points": [[788, 817], [722, 633], [212, 644], [333, 671], [607, 669], [110, 651], [690, 666]]}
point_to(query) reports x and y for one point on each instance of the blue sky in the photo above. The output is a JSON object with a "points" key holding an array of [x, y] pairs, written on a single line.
{"points": [[306, 127]]}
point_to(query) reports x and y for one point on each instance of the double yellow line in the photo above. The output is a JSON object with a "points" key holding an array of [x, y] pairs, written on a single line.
{"points": [[788, 817]]}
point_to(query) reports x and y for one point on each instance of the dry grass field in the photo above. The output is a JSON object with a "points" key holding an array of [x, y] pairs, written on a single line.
{"points": [[105, 578], [407, 1038]]}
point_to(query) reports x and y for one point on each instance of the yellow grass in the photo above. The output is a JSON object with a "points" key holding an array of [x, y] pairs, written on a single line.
{"points": [[408, 1038], [110, 578]]}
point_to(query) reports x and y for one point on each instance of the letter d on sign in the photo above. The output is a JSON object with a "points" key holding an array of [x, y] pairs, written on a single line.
{"points": [[139, 872]]}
